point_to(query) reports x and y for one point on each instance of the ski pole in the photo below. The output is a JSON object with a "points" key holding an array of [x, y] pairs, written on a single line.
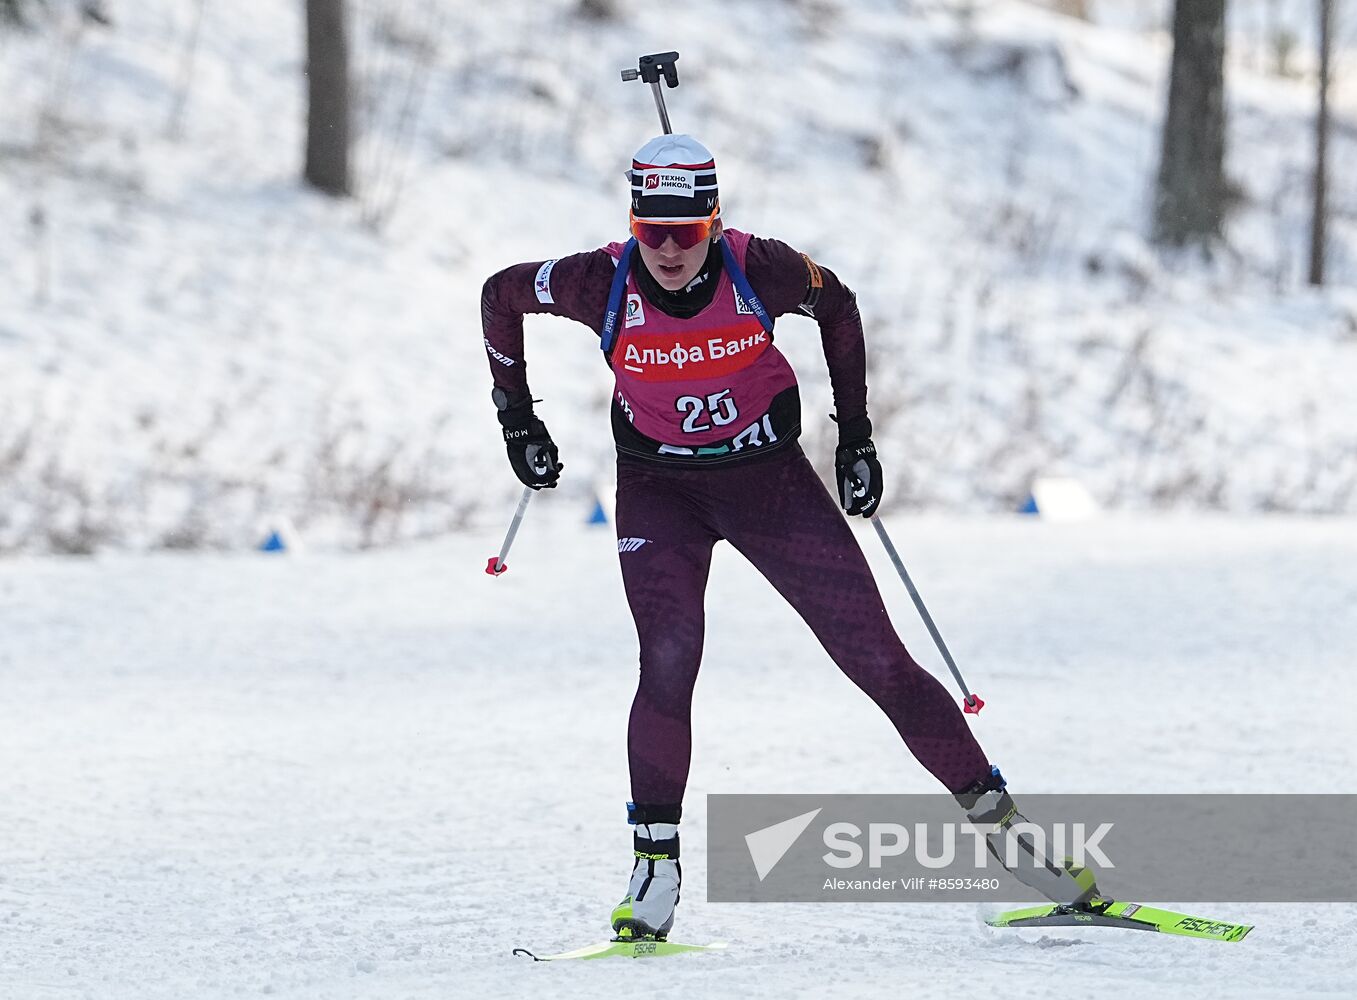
{"points": [[972, 703], [496, 565], [649, 70]]}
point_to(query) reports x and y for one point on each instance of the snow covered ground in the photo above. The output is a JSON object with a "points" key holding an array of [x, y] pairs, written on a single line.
{"points": [[372, 775]]}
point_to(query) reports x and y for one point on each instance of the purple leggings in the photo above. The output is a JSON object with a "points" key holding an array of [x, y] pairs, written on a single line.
{"points": [[778, 514]]}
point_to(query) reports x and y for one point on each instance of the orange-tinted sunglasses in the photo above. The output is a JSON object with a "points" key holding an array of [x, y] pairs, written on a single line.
{"points": [[686, 234]]}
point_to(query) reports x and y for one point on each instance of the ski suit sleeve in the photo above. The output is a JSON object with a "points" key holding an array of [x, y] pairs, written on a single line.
{"points": [[574, 287], [788, 281]]}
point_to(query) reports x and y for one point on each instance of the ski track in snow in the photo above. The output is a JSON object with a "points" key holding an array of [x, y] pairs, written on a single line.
{"points": [[374, 775]]}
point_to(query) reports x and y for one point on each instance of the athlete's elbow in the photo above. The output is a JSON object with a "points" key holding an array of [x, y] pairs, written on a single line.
{"points": [[843, 315], [490, 289]]}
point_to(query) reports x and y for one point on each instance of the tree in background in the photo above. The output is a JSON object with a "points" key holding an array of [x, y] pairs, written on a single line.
{"points": [[1321, 208], [598, 10], [1191, 192], [1074, 8], [12, 11], [328, 115]]}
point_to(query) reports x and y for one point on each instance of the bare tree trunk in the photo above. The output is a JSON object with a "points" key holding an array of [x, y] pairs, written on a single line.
{"points": [[1191, 192], [12, 12], [327, 74], [1074, 8], [175, 128], [1321, 216]]}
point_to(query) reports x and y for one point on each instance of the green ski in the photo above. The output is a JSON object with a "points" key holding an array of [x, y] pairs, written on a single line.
{"points": [[1110, 913], [624, 949]]}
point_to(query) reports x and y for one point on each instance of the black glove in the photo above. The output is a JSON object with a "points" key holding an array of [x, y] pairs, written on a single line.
{"points": [[856, 469], [532, 453]]}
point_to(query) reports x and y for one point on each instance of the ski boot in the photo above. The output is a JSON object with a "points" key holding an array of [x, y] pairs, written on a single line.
{"points": [[647, 912], [988, 803]]}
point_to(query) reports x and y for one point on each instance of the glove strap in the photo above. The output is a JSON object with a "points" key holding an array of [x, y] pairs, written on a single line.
{"points": [[854, 430]]}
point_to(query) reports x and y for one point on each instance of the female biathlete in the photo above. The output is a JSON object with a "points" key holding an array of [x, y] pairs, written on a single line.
{"points": [[706, 416]]}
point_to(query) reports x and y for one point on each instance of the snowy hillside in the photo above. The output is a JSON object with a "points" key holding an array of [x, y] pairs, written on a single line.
{"points": [[191, 345]]}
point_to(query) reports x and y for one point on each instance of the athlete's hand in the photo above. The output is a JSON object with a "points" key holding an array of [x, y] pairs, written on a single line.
{"points": [[856, 469], [532, 453]]}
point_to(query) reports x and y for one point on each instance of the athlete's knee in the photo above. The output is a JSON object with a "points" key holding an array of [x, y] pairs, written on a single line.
{"points": [[886, 672], [669, 666], [872, 669]]}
